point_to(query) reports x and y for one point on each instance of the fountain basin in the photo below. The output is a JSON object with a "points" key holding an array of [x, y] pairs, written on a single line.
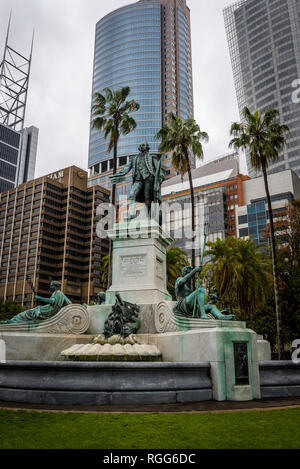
{"points": [[77, 383]]}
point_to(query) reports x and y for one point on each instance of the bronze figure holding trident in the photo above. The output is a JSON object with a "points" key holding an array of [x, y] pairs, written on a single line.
{"points": [[192, 303]]}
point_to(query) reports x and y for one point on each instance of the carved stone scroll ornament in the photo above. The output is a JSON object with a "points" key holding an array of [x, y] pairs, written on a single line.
{"points": [[73, 319], [164, 318]]}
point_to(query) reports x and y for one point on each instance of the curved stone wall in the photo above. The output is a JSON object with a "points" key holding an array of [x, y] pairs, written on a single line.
{"points": [[64, 383], [279, 379]]}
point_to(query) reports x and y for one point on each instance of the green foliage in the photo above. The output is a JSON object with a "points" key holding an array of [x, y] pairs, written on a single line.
{"points": [[242, 274], [262, 135], [183, 139], [9, 309], [248, 430], [176, 260], [225, 266], [104, 269], [265, 322], [111, 112], [287, 231]]}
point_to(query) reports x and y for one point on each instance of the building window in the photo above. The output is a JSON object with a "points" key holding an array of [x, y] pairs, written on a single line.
{"points": [[243, 232], [243, 219]]}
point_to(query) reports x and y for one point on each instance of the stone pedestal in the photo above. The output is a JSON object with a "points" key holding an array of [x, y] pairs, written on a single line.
{"points": [[198, 340], [44, 340], [216, 346], [22, 346], [188, 340], [139, 262]]}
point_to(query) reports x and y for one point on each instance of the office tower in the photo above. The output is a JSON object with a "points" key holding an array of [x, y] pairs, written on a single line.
{"points": [[28, 153], [17, 156], [18, 145], [218, 188], [48, 231], [146, 46], [10, 143], [252, 215], [264, 43]]}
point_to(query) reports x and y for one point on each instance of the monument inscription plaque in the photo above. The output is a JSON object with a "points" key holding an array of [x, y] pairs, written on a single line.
{"points": [[133, 265], [241, 363]]}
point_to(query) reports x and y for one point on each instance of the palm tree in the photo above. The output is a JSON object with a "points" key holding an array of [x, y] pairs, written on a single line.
{"points": [[254, 277], [104, 269], [242, 274], [222, 265], [264, 137], [183, 139], [176, 260], [111, 113]]}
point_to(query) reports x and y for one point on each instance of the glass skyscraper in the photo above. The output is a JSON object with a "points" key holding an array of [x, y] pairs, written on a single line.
{"points": [[264, 43], [9, 156], [146, 46], [18, 152]]}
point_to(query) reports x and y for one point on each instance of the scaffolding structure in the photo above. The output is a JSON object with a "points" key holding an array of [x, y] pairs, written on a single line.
{"points": [[14, 81]]}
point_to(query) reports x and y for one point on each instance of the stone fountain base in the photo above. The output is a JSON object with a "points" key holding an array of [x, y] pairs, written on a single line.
{"points": [[69, 383], [113, 353]]}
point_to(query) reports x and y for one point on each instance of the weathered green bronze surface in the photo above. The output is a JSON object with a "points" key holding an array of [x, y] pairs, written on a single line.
{"points": [[53, 305], [123, 320], [147, 178], [187, 298], [100, 298], [241, 363]]}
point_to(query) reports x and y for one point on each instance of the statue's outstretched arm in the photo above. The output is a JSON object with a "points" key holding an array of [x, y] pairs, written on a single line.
{"points": [[117, 177], [49, 301], [189, 276]]}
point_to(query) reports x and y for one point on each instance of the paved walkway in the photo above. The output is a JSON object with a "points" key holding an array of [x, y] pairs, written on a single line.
{"points": [[201, 407]]}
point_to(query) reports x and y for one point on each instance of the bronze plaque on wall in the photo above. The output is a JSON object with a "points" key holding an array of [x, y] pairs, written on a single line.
{"points": [[241, 363]]}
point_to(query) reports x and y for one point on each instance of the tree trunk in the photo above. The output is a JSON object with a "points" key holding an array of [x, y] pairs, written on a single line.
{"points": [[113, 201], [193, 209], [275, 267]]}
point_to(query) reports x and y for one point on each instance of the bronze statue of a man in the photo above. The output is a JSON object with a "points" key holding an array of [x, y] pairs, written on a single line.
{"points": [[147, 176]]}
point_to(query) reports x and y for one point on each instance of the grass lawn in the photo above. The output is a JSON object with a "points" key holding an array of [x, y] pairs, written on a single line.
{"points": [[255, 429]]}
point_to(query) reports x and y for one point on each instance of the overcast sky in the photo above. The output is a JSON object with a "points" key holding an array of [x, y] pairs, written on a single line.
{"points": [[61, 77]]}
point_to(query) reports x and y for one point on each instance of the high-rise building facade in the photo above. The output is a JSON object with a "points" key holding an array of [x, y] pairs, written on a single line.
{"points": [[264, 43], [146, 46], [48, 232], [218, 190], [17, 156], [253, 217], [10, 142], [28, 152]]}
